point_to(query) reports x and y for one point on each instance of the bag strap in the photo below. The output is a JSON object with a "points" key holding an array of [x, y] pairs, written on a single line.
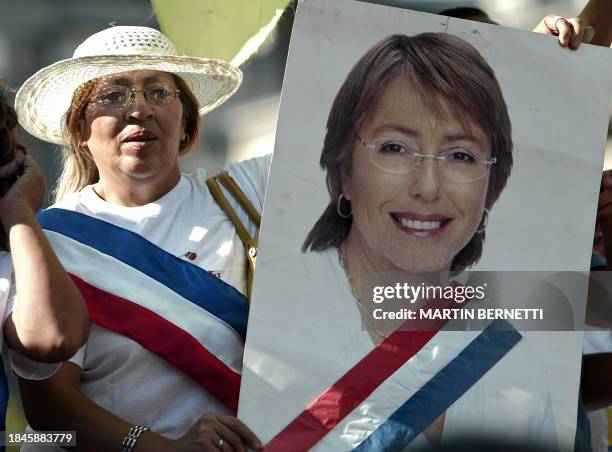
{"points": [[240, 197], [250, 243]]}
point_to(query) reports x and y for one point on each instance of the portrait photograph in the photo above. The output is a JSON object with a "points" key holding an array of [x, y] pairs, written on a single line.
{"points": [[424, 152]]}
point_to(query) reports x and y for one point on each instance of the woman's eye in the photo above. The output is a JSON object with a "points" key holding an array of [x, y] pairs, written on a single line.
{"points": [[158, 93], [392, 148], [113, 97], [460, 156]]}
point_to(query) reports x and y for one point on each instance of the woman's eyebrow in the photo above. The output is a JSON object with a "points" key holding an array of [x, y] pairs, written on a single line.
{"points": [[155, 78], [127, 82], [396, 128], [464, 136], [115, 81]]}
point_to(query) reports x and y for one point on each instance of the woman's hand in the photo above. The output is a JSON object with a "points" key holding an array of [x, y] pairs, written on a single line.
{"points": [[28, 191], [570, 32], [217, 432]]}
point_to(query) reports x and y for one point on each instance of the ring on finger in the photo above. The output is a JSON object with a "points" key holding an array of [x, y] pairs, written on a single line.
{"points": [[220, 443], [554, 20]]}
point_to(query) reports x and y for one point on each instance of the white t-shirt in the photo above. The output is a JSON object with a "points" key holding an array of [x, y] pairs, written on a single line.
{"points": [[323, 337], [118, 373], [21, 365]]}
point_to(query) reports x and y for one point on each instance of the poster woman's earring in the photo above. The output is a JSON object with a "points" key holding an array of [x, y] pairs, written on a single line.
{"points": [[483, 222], [344, 213]]}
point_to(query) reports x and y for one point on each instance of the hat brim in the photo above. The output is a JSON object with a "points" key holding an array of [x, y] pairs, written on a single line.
{"points": [[44, 98]]}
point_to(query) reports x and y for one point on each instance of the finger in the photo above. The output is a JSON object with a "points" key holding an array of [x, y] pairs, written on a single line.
{"points": [[230, 438], [564, 31], [28, 164], [213, 444], [241, 429], [13, 167], [589, 34], [217, 442], [550, 23], [577, 32]]}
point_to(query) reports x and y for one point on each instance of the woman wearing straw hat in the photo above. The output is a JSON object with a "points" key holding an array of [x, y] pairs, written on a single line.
{"points": [[160, 265]]}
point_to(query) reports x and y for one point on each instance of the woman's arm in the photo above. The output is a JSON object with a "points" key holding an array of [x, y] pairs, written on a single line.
{"points": [[49, 322], [58, 404], [598, 14]]}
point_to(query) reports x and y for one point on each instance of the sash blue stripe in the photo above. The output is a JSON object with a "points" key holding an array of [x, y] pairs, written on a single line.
{"points": [[439, 393], [189, 281]]}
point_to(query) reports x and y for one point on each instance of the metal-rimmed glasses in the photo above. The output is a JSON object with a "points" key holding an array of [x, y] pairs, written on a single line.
{"points": [[120, 96], [457, 164]]}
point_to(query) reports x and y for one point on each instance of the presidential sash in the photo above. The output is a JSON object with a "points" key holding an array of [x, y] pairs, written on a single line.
{"points": [[409, 389], [175, 309]]}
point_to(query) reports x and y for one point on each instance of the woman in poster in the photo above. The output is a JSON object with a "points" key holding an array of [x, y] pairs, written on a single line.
{"points": [[418, 150]]}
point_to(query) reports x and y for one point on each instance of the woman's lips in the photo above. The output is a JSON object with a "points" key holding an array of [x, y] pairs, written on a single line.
{"points": [[142, 136], [139, 140], [419, 225]]}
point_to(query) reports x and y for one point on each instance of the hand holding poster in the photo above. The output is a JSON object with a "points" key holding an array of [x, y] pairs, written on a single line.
{"points": [[441, 133]]}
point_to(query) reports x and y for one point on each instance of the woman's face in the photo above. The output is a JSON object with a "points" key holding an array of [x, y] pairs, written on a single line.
{"points": [[139, 142], [416, 221]]}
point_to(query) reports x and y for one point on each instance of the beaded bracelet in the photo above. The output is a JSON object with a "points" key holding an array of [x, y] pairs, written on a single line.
{"points": [[128, 443]]}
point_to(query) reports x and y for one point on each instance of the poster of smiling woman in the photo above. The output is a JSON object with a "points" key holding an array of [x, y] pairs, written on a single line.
{"points": [[421, 164]]}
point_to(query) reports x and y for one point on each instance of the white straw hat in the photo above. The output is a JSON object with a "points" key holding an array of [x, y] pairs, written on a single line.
{"points": [[45, 97]]}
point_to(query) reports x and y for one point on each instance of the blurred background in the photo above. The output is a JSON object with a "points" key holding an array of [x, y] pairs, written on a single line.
{"points": [[36, 33]]}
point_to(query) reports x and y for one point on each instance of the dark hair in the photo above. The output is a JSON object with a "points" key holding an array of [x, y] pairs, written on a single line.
{"points": [[9, 143], [441, 67], [470, 13]]}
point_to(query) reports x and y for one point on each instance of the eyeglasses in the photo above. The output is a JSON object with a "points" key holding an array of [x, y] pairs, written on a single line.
{"points": [[457, 164], [119, 96]]}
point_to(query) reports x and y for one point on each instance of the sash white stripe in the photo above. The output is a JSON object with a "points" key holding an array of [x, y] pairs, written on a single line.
{"points": [[396, 390], [113, 276]]}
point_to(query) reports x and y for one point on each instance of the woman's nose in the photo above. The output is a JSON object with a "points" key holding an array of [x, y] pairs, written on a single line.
{"points": [[425, 179], [139, 107]]}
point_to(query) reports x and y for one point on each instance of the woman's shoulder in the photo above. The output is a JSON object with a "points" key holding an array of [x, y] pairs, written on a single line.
{"points": [[252, 176]]}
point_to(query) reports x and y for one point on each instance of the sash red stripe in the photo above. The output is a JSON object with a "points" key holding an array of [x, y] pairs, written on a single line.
{"points": [[336, 402], [177, 346]]}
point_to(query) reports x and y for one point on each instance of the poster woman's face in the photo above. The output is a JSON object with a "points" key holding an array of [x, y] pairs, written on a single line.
{"points": [[414, 221]]}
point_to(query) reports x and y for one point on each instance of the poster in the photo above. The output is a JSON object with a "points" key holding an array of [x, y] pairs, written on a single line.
{"points": [[415, 169]]}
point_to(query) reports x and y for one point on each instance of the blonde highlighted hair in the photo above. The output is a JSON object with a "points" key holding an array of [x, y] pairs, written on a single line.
{"points": [[78, 166]]}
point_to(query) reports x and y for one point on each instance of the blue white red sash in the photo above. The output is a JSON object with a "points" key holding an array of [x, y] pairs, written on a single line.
{"points": [[173, 308], [396, 391]]}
